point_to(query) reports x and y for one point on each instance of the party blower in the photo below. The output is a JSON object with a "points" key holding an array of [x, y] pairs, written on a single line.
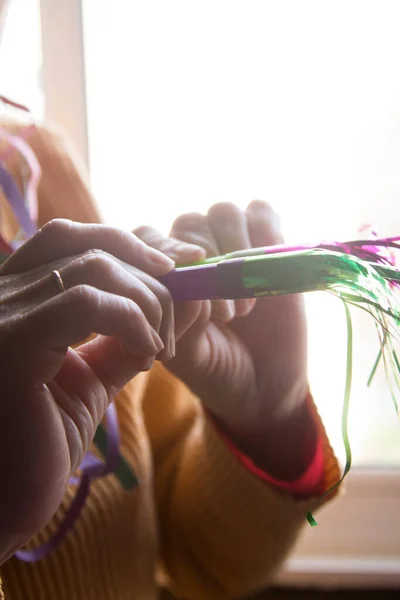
{"points": [[361, 273]]}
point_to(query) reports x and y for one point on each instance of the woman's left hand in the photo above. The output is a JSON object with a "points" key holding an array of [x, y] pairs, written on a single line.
{"points": [[246, 359]]}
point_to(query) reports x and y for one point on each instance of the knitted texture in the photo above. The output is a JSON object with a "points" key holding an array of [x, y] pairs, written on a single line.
{"points": [[211, 527]]}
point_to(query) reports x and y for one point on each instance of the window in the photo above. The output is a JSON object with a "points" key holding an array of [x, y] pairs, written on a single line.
{"points": [[181, 104], [21, 57], [296, 103]]}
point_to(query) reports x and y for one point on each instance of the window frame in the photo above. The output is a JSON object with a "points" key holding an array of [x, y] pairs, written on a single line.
{"points": [[63, 69], [370, 501]]}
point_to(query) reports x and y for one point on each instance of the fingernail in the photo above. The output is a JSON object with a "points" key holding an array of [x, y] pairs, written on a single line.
{"points": [[148, 364], [252, 302], [230, 309], [185, 251], [158, 343], [223, 310], [261, 207], [171, 344], [244, 306], [159, 258]]}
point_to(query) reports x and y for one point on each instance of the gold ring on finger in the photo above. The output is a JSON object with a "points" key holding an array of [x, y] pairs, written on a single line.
{"points": [[59, 281]]}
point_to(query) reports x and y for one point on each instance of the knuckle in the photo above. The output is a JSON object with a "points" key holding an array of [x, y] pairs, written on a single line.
{"points": [[56, 227], [138, 252], [189, 221], [98, 264], [158, 303], [148, 237], [92, 252], [163, 294], [84, 297], [156, 311], [145, 304], [140, 249], [118, 237], [224, 210], [257, 203], [133, 312], [143, 232], [261, 206]]}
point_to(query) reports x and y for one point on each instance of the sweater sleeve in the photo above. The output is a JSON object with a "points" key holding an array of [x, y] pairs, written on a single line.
{"points": [[310, 483], [225, 530]]}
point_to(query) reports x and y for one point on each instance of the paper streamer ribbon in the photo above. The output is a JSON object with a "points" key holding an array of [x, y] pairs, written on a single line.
{"points": [[35, 173], [92, 468]]}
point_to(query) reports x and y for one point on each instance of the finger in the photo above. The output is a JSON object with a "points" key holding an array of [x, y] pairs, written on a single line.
{"points": [[192, 333], [186, 314], [62, 238], [263, 224], [223, 310], [112, 363], [178, 251], [193, 228], [104, 272], [72, 316], [187, 252], [166, 329], [229, 226], [192, 342]]}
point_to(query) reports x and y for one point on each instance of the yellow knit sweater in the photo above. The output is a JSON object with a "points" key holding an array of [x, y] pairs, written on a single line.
{"points": [[215, 528]]}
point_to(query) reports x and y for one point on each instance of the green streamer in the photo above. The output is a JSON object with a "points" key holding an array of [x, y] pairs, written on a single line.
{"points": [[345, 411], [357, 282], [374, 368], [123, 471]]}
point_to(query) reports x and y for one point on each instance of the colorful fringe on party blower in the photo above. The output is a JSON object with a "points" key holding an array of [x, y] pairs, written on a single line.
{"points": [[361, 273]]}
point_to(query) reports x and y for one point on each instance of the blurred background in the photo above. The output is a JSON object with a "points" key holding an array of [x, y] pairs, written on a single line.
{"points": [[176, 105]]}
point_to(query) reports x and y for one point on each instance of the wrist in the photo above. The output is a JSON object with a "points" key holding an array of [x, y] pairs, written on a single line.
{"points": [[281, 442]]}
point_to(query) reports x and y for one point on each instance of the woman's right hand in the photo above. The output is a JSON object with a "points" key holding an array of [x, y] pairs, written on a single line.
{"points": [[53, 397]]}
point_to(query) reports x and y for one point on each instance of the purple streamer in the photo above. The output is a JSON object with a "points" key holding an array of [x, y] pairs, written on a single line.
{"points": [[16, 202], [71, 516], [92, 468]]}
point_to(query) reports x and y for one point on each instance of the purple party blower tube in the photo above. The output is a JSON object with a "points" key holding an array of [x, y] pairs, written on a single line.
{"points": [[207, 282]]}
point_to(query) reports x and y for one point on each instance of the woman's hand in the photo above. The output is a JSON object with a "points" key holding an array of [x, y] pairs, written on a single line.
{"points": [[53, 397], [246, 359]]}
